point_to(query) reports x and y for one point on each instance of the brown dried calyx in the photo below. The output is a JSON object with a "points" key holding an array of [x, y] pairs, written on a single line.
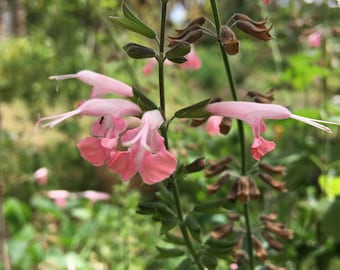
{"points": [[261, 253], [229, 40], [278, 229], [190, 34], [278, 185], [278, 169], [243, 189], [254, 28], [213, 188], [222, 231], [216, 168], [258, 97]]}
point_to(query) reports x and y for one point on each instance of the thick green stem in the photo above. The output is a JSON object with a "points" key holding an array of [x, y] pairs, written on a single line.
{"points": [[240, 129], [173, 180]]}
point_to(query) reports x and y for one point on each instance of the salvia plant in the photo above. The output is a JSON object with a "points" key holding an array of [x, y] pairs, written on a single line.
{"points": [[130, 136]]}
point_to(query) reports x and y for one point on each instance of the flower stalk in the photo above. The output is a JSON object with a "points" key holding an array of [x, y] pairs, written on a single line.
{"points": [[240, 129]]}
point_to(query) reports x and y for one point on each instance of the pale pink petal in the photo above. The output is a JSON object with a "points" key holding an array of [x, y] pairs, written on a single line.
{"points": [[123, 164], [96, 107], [261, 147], [149, 66], [95, 195], [157, 167], [59, 196], [101, 84], [213, 125], [91, 149]]}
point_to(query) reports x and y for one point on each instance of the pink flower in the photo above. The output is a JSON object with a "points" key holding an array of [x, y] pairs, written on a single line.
{"points": [[96, 107], [102, 147], [253, 114], [41, 176], [213, 125], [146, 154], [314, 39], [59, 196], [100, 83], [233, 266], [94, 196], [193, 61], [266, 2], [151, 64]]}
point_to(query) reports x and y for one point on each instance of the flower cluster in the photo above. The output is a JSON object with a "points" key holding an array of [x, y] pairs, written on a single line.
{"points": [[112, 143]]}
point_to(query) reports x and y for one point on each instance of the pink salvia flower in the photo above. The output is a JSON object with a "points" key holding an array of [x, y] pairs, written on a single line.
{"points": [[95, 196], [59, 196], [314, 39], [41, 176], [101, 84], [147, 154], [102, 147], [254, 113], [266, 2], [193, 61], [96, 107]]}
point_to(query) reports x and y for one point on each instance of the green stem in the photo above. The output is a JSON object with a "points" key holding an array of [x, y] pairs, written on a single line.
{"points": [[182, 225], [173, 180], [240, 129]]}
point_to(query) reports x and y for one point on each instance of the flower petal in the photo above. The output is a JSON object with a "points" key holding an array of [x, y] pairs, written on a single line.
{"points": [[91, 149], [261, 147]]}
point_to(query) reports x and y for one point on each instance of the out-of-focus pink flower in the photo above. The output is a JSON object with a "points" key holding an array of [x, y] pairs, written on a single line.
{"points": [[213, 125], [147, 154], [102, 147], [101, 84], [233, 266], [193, 61], [41, 176], [96, 107], [267, 2], [151, 64], [314, 39], [59, 196], [254, 113], [94, 196]]}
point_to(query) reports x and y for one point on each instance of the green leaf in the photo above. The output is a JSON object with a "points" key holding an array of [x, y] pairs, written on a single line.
{"points": [[133, 26], [143, 101], [219, 248], [169, 252], [185, 264], [167, 223], [178, 60], [330, 184], [194, 227], [178, 51], [194, 111], [174, 239], [165, 195], [137, 51], [211, 207], [209, 261]]}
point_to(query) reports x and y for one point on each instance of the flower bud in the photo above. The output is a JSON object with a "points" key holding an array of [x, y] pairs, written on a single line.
{"points": [[218, 185], [196, 166], [243, 189], [279, 230], [272, 169], [216, 168], [271, 217], [243, 17], [199, 21], [281, 186], [222, 231], [232, 195], [261, 253], [254, 192], [190, 37], [257, 32], [228, 40], [274, 244]]}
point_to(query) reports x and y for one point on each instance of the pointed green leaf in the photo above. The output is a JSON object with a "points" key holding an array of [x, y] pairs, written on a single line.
{"points": [[185, 264], [137, 51], [174, 239], [134, 26], [178, 51], [169, 252], [143, 101], [167, 223], [210, 262], [178, 60], [194, 227], [211, 207], [195, 111], [165, 195]]}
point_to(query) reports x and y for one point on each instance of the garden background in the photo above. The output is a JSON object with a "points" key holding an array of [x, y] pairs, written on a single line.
{"points": [[40, 38]]}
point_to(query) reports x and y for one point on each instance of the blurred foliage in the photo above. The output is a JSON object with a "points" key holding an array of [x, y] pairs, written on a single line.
{"points": [[68, 36]]}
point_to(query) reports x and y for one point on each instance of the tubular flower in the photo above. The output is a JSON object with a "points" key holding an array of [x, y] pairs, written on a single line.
{"points": [[146, 153], [100, 148], [254, 114], [101, 84], [213, 125], [193, 61], [95, 107]]}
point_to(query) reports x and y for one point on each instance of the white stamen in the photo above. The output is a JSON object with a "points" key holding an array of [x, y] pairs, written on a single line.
{"points": [[314, 122]]}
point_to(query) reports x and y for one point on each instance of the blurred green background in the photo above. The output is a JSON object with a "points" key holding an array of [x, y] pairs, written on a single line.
{"points": [[40, 38]]}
